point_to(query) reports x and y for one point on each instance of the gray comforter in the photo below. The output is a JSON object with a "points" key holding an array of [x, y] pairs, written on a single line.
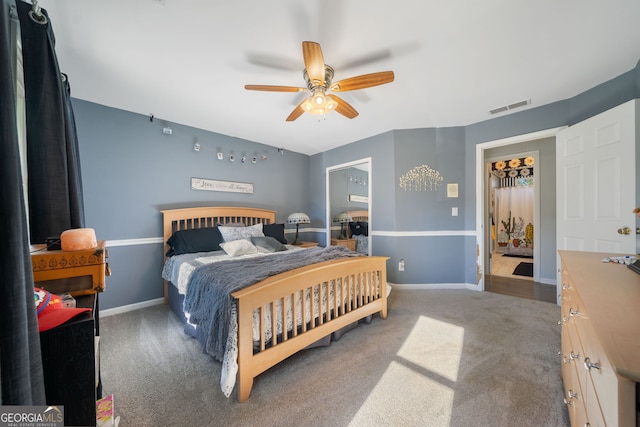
{"points": [[208, 300]]}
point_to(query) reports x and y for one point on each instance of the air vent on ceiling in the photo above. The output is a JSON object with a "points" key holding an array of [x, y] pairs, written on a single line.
{"points": [[510, 106]]}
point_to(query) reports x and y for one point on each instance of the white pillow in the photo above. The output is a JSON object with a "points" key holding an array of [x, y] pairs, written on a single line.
{"points": [[238, 247], [229, 234]]}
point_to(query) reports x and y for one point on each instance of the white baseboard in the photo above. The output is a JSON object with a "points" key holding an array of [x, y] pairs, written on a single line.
{"points": [[430, 286], [131, 307]]}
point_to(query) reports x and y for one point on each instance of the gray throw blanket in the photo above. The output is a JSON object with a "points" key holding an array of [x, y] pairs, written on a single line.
{"points": [[208, 300]]}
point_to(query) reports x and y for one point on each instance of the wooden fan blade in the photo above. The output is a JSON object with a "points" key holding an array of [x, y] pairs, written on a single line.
{"points": [[363, 81], [313, 62], [344, 107], [275, 88], [297, 112]]}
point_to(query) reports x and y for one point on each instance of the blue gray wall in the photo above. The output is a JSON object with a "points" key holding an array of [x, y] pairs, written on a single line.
{"points": [[438, 248], [131, 171]]}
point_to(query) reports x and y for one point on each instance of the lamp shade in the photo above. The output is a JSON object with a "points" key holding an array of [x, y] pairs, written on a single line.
{"points": [[298, 218], [342, 217]]}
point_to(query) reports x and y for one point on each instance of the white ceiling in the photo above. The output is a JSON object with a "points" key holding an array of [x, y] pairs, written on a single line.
{"points": [[187, 61]]}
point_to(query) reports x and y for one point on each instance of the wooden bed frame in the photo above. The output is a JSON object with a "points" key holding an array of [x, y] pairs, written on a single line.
{"points": [[359, 215], [361, 281]]}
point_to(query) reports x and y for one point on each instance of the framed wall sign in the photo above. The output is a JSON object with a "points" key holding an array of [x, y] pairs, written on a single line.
{"points": [[216, 185], [356, 198]]}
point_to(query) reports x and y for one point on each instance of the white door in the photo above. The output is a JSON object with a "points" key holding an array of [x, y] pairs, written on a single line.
{"points": [[595, 167]]}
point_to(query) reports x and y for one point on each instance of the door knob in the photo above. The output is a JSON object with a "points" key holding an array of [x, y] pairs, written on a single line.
{"points": [[624, 230]]}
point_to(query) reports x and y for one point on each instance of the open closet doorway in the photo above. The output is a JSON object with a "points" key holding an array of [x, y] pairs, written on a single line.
{"points": [[542, 146], [511, 200]]}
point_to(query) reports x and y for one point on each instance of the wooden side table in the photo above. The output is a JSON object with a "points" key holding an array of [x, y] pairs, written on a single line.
{"points": [[348, 243], [307, 244], [76, 272]]}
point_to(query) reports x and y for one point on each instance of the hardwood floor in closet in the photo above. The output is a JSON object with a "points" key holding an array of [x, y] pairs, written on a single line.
{"points": [[503, 282]]}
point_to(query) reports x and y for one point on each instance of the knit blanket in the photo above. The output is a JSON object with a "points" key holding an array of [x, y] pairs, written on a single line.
{"points": [[208, 299]]}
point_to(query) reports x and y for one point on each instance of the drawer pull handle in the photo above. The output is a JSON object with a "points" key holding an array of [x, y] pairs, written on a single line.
{"points": [[567, 401], [588, 364], [574, 356], [571, 395], [561, 321], [565, 359], [565, 286], [573, 312]]}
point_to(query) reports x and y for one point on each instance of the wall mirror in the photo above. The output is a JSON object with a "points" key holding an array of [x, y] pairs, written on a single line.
{"points": [[349, 205]]}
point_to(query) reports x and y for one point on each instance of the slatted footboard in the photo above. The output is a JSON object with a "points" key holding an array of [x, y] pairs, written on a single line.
{"points": [[313, 301]]}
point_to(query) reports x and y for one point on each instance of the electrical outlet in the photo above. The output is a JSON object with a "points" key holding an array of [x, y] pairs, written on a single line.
{"points": [[401, 265]]}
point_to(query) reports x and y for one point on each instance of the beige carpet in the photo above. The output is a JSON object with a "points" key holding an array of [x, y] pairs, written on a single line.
{"points": [[441, 358]]}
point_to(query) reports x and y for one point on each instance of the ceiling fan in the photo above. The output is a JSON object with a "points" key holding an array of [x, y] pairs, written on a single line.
{"points": [[319, 79]]}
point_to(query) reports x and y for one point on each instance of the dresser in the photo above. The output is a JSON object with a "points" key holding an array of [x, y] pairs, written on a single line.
{"points": [[600, 340]]}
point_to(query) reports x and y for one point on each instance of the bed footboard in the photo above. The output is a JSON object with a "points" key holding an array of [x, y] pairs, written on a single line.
{"points": [[336, 292]]}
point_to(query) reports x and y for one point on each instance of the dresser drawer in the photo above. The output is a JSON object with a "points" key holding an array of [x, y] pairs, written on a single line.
{"points": [[615, 395], [595, 416], [571, 374], [573, 394]]}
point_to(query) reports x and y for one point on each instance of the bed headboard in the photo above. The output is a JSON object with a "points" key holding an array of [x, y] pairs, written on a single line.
{"points": [[210, 216], [359, 215]]}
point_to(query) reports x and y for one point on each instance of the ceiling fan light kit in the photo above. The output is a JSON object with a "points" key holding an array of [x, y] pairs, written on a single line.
{"points": [[318, 103], [318, 77]]}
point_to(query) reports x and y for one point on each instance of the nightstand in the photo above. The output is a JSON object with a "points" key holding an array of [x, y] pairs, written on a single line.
{"points": [[76, 272], [307, 244], [347, 243]]}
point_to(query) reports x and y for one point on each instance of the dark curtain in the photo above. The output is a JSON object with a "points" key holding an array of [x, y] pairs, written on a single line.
{"points": [[20, 360], [54, 193], [55, 189]]}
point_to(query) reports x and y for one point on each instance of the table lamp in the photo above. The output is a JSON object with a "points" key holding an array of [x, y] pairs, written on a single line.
{"points": [[342, 218], [298, 218]]}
